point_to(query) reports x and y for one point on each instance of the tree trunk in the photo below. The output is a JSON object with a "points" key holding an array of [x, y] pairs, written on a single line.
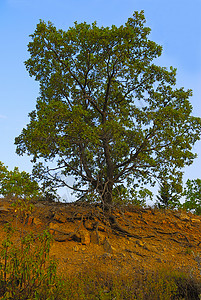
{"points": [[107, 194]]}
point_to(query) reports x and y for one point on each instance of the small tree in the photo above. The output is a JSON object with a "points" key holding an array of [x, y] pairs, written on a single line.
{"points": [[20, 187], [164, 195], [106, 114], [168, 195], [15, 184], [192, 192]]}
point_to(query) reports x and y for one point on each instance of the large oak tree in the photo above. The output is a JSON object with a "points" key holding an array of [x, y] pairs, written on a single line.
{"points": [[106, 114]]}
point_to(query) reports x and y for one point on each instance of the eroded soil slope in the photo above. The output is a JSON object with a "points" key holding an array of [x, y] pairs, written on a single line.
{"points": [[118, 241]]}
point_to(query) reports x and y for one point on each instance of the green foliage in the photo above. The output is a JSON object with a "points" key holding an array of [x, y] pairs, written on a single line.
{"points": [[17, 185], [133, 196], [26, 271], [106, 114], [169, 195], [122, 196], [192, 192], [164, 195]]}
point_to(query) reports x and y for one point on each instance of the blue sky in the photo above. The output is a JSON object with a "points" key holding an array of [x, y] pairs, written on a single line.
{"points": [[175, 24]]}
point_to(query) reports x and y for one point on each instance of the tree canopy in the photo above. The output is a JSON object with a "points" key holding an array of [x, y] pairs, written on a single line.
{"points": [[106, 113]]}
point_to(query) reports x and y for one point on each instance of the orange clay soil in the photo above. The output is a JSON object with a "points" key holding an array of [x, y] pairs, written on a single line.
{"points": [[120, 241]]}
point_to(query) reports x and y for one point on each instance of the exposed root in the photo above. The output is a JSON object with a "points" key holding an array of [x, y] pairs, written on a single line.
{"points": [[117, 228], [175, 233], [107, 221]]}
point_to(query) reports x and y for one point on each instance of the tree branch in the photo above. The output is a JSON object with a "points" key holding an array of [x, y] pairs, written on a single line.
{"points": [[126, 163], [75, 78]]}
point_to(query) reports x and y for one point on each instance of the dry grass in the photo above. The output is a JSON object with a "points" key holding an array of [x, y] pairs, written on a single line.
{"points": [[165, 284]]}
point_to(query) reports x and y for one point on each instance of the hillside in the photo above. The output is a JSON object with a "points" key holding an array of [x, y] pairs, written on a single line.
{"points": [[120, 242]]}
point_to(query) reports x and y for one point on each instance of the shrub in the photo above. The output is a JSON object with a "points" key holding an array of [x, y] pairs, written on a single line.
{"points": [[17, 185], [26, 270]]}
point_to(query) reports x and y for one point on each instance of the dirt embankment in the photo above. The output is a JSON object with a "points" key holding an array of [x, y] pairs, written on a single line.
{"points": [[120, 241]]}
